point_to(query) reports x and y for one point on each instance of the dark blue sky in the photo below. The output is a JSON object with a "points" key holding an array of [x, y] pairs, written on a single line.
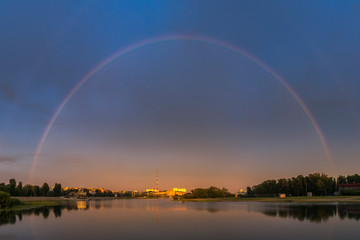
{"points": [[201, 114]]}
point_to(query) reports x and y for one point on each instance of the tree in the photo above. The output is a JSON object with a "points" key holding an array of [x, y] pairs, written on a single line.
{"points": [[87, 191], [317, 183], [4, 200], [249, 191], [45, 189], [300, 184], [3, 187], [36, 190], [283, 186], [320, 187], [18, 189], [28, 190], [341, 180], [98, 193], [12, 186], [211, 192], [57, 189]]}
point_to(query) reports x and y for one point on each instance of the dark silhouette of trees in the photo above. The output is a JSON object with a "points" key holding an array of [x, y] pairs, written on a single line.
{"points": [[12, 186], [45, 189], [319, 184], [211, 192], [57, 190], [4, 200], [348, 179], [341, 180], [30, 190], [27, 191], [36, 190], [18, 190]]}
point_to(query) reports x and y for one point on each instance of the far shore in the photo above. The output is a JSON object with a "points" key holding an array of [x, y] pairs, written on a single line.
{"points": [[33, 202]]}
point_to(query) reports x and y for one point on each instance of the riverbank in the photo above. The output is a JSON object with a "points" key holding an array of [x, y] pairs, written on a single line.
{"points": [[319, 199], [57, 199], [40, 199], [29, 203], [35, 202]]}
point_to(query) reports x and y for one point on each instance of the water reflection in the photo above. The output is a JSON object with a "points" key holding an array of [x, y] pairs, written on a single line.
{"points": [[10, 217], [316, 213]]}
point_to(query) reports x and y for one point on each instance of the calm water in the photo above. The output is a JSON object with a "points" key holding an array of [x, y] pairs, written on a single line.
{"points": [[165, 219]]}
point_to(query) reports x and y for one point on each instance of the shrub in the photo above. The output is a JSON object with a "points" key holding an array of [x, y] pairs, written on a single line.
{"points": [[4, 200], [15, 202]]}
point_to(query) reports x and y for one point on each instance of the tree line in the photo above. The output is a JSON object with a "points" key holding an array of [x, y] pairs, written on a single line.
{"points": [[348, 179], [18, 190], [211, 192], [98, 192], [319, 184]]}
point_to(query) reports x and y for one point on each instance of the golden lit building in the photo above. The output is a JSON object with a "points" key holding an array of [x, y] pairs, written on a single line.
{"points": [[169, 193], [151, 190], [176, 191]]}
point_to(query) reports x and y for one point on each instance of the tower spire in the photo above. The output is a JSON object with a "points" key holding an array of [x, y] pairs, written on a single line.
{"points": [[157, 180]]}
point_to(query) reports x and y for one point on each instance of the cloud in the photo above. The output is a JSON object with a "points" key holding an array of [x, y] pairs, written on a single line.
{"points": [[9, 159], [15, 158], [8, 93]]}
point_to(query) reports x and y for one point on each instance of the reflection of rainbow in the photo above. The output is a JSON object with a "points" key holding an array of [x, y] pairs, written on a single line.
{"points": [[169, 39]]}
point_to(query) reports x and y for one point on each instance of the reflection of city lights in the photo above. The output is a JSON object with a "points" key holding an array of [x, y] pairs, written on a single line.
{"points": [[81, 204], [178, 208]]}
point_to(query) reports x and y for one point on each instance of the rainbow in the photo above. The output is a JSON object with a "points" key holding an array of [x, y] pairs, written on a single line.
{"points": [[171, 38]]}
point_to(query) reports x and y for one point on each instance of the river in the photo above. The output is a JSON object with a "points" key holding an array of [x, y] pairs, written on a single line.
{"points": [[166, 219]]}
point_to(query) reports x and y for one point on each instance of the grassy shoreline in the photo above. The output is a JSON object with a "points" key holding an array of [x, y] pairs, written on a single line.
{"points": [[26, 205], [317, 199]]}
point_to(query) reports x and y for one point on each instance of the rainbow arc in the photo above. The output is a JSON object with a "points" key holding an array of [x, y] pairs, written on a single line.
{"points": [[174, 38]]}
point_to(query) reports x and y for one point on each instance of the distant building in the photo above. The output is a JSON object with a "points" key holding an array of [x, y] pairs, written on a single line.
{"points": [[240, 193], [168, 193], [176, 191], [349, 186], [81, 195], [152, 190]]}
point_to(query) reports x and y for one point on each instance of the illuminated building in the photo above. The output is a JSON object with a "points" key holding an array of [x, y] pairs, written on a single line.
{"points": [[168, 193], [349, 186], [150, 190], [176, 191]]}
